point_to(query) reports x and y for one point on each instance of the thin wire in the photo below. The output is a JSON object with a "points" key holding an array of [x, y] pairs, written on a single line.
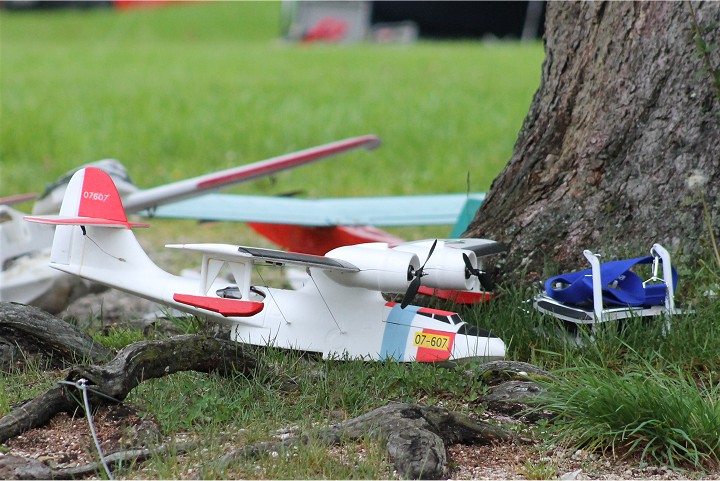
{"points": [[82, 385], [326, 304], [98, 245], [269, 291]]}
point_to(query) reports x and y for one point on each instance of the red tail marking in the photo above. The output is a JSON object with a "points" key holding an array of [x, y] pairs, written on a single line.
{"points": [[100, 198]]}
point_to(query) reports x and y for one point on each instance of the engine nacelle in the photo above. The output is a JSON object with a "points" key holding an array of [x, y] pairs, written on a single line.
{"points": [[446, 268], [381, 268]]}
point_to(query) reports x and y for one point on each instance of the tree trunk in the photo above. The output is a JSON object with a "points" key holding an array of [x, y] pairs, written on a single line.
{"points": [[40, 334], [621, 145]]}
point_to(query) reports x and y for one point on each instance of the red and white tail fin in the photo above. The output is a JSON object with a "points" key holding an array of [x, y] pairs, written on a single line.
{"points": [[91, 198], [93, 237]]}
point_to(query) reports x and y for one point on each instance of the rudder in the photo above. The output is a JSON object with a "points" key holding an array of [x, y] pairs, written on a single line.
{"points": [[92, 202], [91, 198]]}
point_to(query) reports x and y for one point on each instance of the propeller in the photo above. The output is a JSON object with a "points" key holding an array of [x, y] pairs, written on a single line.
{"points": [[416, 275], [485, 280]]}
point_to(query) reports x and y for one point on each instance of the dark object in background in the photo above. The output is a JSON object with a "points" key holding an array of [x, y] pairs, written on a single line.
{"points": [[351, 21], [458, 19], [48, 5]]}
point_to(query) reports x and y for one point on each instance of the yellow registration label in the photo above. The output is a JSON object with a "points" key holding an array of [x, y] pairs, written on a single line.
{"points": [[432, 341]]}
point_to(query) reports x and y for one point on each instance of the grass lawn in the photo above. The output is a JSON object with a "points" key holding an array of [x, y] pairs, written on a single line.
{"points": [[179, 91], [183, 90]]}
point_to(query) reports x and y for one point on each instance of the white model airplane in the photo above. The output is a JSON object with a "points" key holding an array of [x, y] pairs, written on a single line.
{"points": [[341, 312], [24, 248]]}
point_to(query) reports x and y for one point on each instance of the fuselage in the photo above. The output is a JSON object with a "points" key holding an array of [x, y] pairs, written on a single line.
{"points": [[336, 321], [325, 316], [364, 326]]}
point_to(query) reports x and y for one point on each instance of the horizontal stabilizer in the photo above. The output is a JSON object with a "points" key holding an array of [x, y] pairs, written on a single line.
{"points": [[226, 307], [67, 220], [91, 198]]}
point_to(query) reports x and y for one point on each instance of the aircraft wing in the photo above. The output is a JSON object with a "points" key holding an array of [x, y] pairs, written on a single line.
{"points": [[135, 200], [17, 199], [441, 209], [257, 255], [150, 198]]}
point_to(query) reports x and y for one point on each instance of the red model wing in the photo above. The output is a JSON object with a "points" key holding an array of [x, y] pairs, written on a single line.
{"points": [[322, 239], [458, 297]]}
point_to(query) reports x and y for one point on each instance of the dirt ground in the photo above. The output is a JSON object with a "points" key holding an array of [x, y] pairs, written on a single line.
{"points": [[67, 442]]}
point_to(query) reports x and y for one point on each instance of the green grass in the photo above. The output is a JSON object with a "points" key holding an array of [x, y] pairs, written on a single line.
{"points": [[183, 90], [246, 410], [664, 415]]}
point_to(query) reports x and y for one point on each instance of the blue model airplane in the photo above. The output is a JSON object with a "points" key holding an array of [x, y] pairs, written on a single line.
{"points": [[410, 210]]}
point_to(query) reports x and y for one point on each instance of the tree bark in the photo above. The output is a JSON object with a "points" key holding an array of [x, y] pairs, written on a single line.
{"points": [[37, 332], [620, 147]]}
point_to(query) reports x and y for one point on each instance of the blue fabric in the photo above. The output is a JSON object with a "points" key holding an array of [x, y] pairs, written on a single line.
{"points": [[577, 286]]}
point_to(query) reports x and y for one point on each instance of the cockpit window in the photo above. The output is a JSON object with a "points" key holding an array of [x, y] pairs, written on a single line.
{"points": [[470, 330], [232, 292], [443, 316], [436, 316]]}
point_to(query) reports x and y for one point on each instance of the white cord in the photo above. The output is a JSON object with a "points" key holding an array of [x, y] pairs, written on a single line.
{"points": [[82, 385]]}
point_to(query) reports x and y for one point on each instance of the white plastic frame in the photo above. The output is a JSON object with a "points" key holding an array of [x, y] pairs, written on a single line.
{"points": [[600, 311]]}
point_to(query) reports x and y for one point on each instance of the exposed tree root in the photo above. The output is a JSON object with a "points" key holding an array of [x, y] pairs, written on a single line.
{"points": [[415, 435]]}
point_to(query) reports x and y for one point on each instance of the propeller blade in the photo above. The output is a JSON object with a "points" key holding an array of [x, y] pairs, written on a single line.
{"points": [[410, 293], [485, 280], [468, 266], [416, 281], [432, 249]]}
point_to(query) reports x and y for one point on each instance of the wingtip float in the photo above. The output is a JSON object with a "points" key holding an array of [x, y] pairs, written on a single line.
{"points": [[340, 312]]}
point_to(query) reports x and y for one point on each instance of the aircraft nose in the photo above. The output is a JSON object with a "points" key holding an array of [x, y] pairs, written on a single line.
{"points": [[474, 343]]}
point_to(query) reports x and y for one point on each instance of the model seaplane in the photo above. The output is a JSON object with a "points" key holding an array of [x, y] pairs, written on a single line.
{"points": [[24, 248], [340, 313]]}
